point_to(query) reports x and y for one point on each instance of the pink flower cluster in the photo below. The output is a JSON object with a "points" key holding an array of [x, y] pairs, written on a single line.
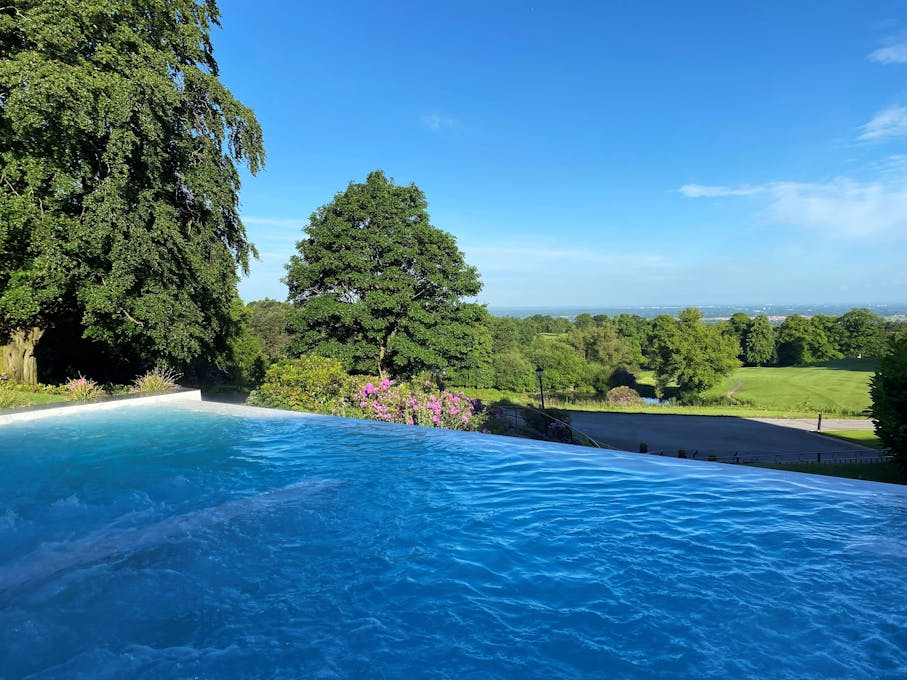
{"points": [[416, 405]]}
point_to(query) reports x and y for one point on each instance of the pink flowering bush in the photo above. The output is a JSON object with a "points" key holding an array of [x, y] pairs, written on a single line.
{"points": [[82, 389], [417, 403]]}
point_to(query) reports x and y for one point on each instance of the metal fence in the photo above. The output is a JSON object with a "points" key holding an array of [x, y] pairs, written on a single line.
{"points": [[514, 414], [738, 457]]}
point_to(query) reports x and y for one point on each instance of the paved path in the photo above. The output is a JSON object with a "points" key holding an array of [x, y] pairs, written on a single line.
{"points": [[723, 436]]}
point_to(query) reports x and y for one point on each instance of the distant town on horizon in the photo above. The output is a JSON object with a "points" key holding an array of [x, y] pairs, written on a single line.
{"points": [[710, 312]]}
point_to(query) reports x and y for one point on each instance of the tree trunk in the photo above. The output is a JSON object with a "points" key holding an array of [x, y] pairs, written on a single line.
{"points": [[17, 358], [383, 347], [382, 352]]}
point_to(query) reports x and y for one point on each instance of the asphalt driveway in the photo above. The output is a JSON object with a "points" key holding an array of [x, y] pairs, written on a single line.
{"points": [[722, 436]]}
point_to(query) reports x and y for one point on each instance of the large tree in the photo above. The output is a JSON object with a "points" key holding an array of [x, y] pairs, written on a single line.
{"points": [[691, 353], [738, 327], [862, 333], [118, 178], [378, 287], [759, 342], [803, 341]]}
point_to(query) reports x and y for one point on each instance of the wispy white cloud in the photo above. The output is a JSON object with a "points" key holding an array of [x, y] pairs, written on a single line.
{"points": [[842, 208], [704, 191], [893, 54], [887, 124], [507, 257], [436, 121]]}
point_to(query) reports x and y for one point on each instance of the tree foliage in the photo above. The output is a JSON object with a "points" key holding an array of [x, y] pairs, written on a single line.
{"points": [[307, 383], [694, 355], [601, 344], [888, 389], [862, 333], [118, 179], [513, 372], [268, 321], [738, 326], [470, 357], [378, 287], [804, 341], [562, 367], [759, 342]]}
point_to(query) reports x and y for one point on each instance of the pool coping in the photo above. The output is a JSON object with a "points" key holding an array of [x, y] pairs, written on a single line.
{"points": [[41, 411]]}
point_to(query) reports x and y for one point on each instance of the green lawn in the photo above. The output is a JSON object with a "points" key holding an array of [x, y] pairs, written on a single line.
{"points": [[834, 387], [891, 473], [838, 388], [19, 399], [862, 437]]}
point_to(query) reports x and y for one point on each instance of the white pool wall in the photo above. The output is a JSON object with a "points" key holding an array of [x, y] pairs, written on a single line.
{"points": [[65, 409]]}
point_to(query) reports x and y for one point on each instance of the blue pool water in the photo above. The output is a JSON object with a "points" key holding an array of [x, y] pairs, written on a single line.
{"points": [[215, 541]]}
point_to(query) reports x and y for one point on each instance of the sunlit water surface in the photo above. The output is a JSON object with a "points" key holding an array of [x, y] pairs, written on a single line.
{"points": [[218, 541]]}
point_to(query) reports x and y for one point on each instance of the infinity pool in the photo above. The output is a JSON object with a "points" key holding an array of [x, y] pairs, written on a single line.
{"points": [[215, 541]]}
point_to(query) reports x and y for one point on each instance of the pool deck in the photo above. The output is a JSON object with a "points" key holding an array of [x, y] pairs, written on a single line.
{"points": [[103, 404]]}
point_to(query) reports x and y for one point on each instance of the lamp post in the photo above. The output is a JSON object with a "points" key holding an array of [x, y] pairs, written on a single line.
{"points": [[538, 372]]}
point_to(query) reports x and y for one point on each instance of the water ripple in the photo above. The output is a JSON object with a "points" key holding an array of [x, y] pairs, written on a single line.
{"points": [[153, 544]]}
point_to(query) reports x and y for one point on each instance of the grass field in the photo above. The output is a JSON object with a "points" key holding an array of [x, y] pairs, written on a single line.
{"points": [[834, 387], [839, 388], [891, 473], [18, 399], [861, 437]]}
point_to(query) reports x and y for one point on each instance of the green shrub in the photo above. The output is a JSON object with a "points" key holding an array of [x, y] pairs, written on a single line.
{"points": [[888, 389], [158, 379], [624, 396], [309, 383]]}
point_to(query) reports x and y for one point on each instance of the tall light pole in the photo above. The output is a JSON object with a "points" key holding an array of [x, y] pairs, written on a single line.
{"points": [[538, 372]]}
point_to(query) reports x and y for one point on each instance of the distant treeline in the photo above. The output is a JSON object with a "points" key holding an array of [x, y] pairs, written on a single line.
{"points": [[598, 353]]}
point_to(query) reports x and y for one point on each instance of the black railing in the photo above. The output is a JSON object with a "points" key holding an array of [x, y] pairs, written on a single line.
{"points": [[739, 457], [517, 418]]}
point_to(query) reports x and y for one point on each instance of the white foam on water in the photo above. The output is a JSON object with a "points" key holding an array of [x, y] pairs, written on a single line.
{"points": [[54, 558]]}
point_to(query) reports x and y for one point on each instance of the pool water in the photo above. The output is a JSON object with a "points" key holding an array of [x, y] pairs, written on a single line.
{"points": [[215, 541]]}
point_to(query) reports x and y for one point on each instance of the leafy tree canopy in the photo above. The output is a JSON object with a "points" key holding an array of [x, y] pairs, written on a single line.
{"points": [[268, 322], [378, 287], [601, 344], [888, 389], [862, 333], [562, 366], [118, 179], [759, 342], [694, 355], [514, 372], [804, 341]]}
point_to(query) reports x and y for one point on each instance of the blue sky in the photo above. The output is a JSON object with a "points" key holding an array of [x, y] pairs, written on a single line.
{"points": [[595, 153]]}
